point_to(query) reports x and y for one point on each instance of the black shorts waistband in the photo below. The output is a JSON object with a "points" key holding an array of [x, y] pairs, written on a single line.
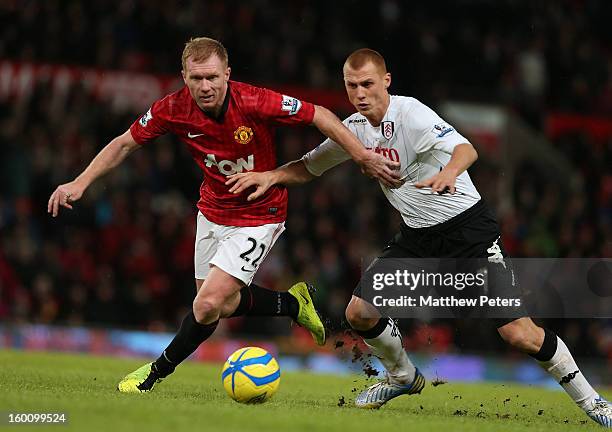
{"points": [[451, 224]]}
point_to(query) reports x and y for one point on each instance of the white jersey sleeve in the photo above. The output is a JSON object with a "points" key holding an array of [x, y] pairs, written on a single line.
{"points": [[427, 131], [326, 155]]}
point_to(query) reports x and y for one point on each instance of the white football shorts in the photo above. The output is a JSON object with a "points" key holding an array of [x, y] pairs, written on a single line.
{"points": [[237, 251]]}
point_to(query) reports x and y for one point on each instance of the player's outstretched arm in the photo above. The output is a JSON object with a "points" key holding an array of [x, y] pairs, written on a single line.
{"points": [[372, 164], [293, 172], [108, 158], [464, 155]]}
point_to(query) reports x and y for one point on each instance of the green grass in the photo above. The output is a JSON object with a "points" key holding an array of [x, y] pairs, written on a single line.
{"points": [[193, 399]]}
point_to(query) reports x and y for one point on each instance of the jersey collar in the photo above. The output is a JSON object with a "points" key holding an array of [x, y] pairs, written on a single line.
{"points": [[224, 107]]}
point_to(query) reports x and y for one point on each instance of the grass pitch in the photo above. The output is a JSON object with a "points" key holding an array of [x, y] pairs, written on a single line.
{"points": [[193, 399]]}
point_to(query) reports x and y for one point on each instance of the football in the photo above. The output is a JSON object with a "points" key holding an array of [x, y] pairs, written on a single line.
{"points": [[250, 375]]}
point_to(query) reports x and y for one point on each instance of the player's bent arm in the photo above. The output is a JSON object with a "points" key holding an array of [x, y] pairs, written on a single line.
{"points": [[332, 127], [294, 172], [291, 173], [372, 164], [463, 156], [109, 157]]}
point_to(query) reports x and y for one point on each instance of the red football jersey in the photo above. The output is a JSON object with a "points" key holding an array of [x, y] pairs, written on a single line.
{"points": [[240, 140]]}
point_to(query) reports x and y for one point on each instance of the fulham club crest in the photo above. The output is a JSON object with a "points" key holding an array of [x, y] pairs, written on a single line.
{"points": [[387, 128]]}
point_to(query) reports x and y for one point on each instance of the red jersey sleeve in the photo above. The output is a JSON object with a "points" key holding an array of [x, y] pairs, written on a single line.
{"points": [[281, 109], [155, 122]]}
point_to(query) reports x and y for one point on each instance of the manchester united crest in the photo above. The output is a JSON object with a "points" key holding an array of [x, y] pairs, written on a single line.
{"points": [[243, 135]]}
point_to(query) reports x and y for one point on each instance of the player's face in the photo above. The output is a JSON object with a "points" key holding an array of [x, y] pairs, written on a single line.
{"points": [[207, 82], [366, 88]]}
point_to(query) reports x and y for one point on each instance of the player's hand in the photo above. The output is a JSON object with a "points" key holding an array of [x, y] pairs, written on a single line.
{"points": [[379, 167], [63, 196], [442, 182], [241, 181]]}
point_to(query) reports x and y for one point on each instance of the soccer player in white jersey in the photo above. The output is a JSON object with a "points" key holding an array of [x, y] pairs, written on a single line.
{"points": [[436, 199]]}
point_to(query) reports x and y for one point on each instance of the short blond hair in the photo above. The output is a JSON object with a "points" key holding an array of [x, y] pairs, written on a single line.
{"points": [[361, 57], [202, 48]]}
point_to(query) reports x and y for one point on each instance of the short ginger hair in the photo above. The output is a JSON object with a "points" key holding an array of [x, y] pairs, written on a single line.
{"points": [[202, 48], [362, 56]]}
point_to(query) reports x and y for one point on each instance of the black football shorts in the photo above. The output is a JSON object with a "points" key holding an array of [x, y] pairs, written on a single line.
{"points": [[464, 243]]}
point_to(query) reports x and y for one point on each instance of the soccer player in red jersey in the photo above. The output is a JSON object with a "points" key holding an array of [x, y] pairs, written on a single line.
{"points": [[228, 127]]}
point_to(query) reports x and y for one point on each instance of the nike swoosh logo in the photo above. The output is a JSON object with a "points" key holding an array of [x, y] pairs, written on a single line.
{"points": [[305, 299], [245, 270], [190, 135]]}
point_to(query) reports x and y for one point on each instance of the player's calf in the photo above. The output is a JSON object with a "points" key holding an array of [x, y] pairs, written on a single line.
{"points": [[258, 301], [296, 303], [361, 315], [523, 335]]}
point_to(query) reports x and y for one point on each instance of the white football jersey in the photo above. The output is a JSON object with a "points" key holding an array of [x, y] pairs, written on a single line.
{"points": [[414, 135]]}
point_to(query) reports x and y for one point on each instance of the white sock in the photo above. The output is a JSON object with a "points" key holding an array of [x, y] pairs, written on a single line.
{"points": [[564, 370], [389, 349]]}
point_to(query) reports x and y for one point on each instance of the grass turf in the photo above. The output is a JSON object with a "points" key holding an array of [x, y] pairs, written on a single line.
{"points": [[193, 399]]}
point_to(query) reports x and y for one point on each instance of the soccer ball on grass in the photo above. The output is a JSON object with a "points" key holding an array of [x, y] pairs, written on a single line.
{"points": [[250, 375]]}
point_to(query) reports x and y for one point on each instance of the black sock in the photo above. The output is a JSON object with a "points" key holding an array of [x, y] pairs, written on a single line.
{"points": [[548, 348], [187, 340], [258, 301], [375, 331]]}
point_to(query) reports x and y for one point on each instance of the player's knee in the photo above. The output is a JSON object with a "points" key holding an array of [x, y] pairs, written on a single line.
{"points": [[206, 310]]}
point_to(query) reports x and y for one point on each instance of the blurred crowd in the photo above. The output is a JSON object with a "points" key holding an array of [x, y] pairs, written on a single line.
{"points": [[533, 55], [124, 255]]}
